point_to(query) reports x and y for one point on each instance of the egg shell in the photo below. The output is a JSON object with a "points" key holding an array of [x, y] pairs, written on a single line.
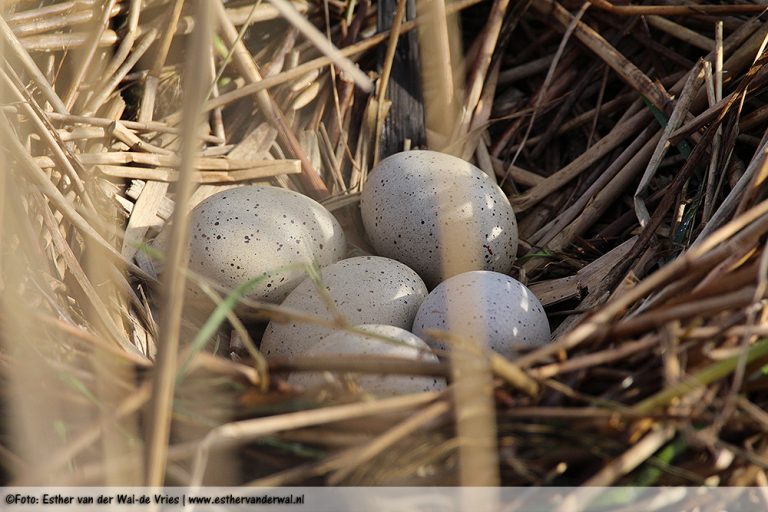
{"points": [[247, 232], [438, 214], [344, 343], [365, 290], [487, 307]]}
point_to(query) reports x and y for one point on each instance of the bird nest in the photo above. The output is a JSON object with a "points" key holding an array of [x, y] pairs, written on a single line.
{"points": [[630, 140]]}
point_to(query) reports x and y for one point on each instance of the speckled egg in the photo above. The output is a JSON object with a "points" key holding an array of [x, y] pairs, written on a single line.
{"points": [[343, 343], [364, 290], [247, 232], [490, 308], [439, 215]]}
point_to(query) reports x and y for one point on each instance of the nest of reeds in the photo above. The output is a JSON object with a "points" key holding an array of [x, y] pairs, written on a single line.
{"points": [[631, 140]]}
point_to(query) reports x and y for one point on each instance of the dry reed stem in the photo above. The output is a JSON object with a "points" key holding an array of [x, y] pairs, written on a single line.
{"points": [[270, 110], [359, 364], [386, 440], [90, 49], [174, 279], [241, 432], [746, 339], [389, 57], [693, 308], [110, 82], [286, 9], [123, 128], [635, 78], [562, 230], [166, 175], [550, 73], [110, 328], [632, 458], [595, 359], [681, 32], [58, 200], [143, 216], [676, 10], [317, 63], [53, 10], [698, 258], [152, 81], [442, 91], [16, 51], [129, 38], [712, 98], [732, 200], [62, 156], [619, 134], [586, 279], [683, 103]]}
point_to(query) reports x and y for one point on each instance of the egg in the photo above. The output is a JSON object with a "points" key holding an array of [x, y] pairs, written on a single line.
{"points": [[344, 343], [489, 308], [269, 232], [364, 290], [439, 215]]}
